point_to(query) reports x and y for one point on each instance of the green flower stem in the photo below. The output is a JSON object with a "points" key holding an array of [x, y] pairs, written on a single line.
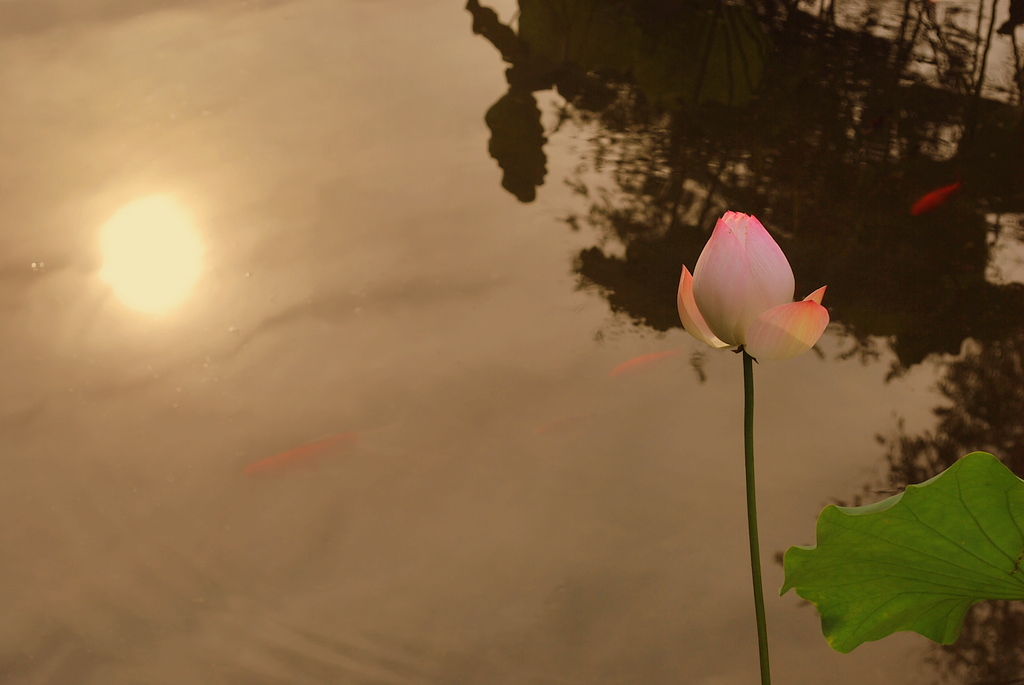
{"points": [[755, 551]]}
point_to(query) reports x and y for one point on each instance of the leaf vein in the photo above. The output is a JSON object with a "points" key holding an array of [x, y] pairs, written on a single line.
{"points": [[977, 523], [953, 542], [918, 551]]}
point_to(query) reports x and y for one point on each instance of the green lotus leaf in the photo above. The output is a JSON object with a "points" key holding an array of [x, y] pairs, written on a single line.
{"points": [[916, 561]]}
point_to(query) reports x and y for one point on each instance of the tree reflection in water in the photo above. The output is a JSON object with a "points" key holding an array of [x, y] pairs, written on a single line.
{"points": [[985, 389], [828, 127], [847, 130]]}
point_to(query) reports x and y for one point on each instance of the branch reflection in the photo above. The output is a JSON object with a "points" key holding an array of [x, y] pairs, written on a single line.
{"points": [[827, 128], [985, 411]]}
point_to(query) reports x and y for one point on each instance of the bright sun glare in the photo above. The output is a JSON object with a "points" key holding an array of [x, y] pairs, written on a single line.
{"points": [[152, 254]]}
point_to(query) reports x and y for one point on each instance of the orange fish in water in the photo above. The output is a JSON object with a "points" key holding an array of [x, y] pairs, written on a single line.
{"points": [[303, 455], [643, 362], [934, 199]]}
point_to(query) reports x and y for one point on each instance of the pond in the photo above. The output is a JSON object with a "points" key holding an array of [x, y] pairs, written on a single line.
{"points": [[358, 407]]}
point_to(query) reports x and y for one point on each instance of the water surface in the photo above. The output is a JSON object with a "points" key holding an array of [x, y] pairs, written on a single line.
{"points": [[349, 252]]}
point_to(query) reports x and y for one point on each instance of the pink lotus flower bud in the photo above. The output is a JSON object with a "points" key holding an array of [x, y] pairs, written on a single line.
{"points": [[741, 293]]}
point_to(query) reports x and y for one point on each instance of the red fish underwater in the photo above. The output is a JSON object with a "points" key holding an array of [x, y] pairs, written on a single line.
{"points": [[300, 456], [935, 199], [642, 363]]}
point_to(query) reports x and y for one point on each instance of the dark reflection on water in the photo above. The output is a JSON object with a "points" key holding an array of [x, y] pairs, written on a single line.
{"points": [[845, 135], [830, 123], [985, 411]]}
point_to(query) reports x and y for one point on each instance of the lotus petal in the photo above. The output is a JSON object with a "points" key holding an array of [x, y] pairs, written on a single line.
{"points": [[817, 295], [786, 331], [741, 273], [691, 317]]}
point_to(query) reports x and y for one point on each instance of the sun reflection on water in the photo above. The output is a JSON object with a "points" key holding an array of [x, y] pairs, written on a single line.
{"points": [[152, 254]]}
